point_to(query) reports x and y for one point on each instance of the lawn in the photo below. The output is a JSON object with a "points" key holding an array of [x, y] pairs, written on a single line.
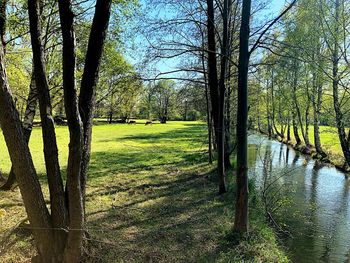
{"points": [[330, 142], [151, 197]]}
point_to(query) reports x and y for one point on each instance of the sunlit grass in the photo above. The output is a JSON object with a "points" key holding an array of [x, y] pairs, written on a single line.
{"points": [[329, 140], [151, 197]]}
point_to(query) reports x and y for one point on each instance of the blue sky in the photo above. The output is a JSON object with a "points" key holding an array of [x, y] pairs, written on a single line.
{"points": [[170, 64]]}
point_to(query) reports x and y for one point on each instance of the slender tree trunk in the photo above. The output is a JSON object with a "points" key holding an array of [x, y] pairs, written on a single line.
{"points": [[224, 100], [288, 129], [217, 111], [241, 213], [73, 248], [228, 147], [208, 108], [89, 80], [273, 122], [317, 138], [296, 105], [209, 124], [55, 182], [344, 142], [295, 128], [23, 166], [268, 114], [3, 5], [316, 105], [307, 120], [27, 127]]}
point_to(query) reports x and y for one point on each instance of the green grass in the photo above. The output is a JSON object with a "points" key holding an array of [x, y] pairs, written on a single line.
{"points": [[330, 142], [151, 197]]}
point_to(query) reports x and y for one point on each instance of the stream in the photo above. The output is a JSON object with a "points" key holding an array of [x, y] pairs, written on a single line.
{"points": [[314, 200]]}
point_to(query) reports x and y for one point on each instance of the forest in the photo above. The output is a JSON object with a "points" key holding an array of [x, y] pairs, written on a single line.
{"points": [[174, 131]]}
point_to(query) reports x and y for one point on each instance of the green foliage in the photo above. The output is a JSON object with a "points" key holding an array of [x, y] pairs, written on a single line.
{"points": [[119, 87]]}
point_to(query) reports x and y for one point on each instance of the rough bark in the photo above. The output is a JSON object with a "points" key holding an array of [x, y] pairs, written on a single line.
{"points": [[73, 249], [3, 5], [27, 127], [241, 212], [55, 182], [87, 95], [27, 179]]}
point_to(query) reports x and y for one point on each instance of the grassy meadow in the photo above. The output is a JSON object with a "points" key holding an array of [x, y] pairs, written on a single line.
{"points": [[151, 197], [330, 142]]}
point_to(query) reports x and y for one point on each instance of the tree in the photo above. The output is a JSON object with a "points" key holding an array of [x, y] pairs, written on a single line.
{"points": [[241, 215], [119, 87], [163, 93], [241, 212], [64, 243]]}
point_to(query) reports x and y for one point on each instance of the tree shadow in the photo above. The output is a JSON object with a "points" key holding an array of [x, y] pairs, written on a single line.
{"points": [[174, 221], [156, 204]]}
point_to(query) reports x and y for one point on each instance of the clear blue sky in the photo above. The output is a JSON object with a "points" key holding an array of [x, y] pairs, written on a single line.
{"points": [[170, 64]]}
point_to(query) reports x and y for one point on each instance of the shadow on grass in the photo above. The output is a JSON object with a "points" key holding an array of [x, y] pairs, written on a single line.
{"points": [[191, 132], [156, 205], [179, 220]]}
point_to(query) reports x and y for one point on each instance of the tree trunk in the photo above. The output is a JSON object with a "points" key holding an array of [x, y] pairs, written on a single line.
{"points": [[316, 104], [89, 80], [273, 123], [296, 105], [295, 128], [241, 213], [23, 166], [208, 108], [288, 129], [217, 110], [3, 5], [27, 127], [268, 112], [73, 249], [55, 182], [224, 100], [344, 142], [110, 118]]}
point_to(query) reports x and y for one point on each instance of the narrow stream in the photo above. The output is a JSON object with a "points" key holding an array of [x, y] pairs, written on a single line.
{"points": [[316, 200]]}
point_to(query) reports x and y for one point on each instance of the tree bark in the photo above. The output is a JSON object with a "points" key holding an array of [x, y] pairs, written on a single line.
{"points": [[26, 176], [224, 141], [288, 129], [55, 182], [241, 213], [344, 142], [87, 95], [73, 248], [217, 109], [316, 105], [208, 108], [296, 105], [27, 127], [295, 128]]}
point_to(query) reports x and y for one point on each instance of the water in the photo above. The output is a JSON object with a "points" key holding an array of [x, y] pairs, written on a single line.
{"points": [[315, 197]]}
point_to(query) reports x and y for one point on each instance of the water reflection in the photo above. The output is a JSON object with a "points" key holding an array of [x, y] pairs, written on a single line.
{"points": [[317, 214]]}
